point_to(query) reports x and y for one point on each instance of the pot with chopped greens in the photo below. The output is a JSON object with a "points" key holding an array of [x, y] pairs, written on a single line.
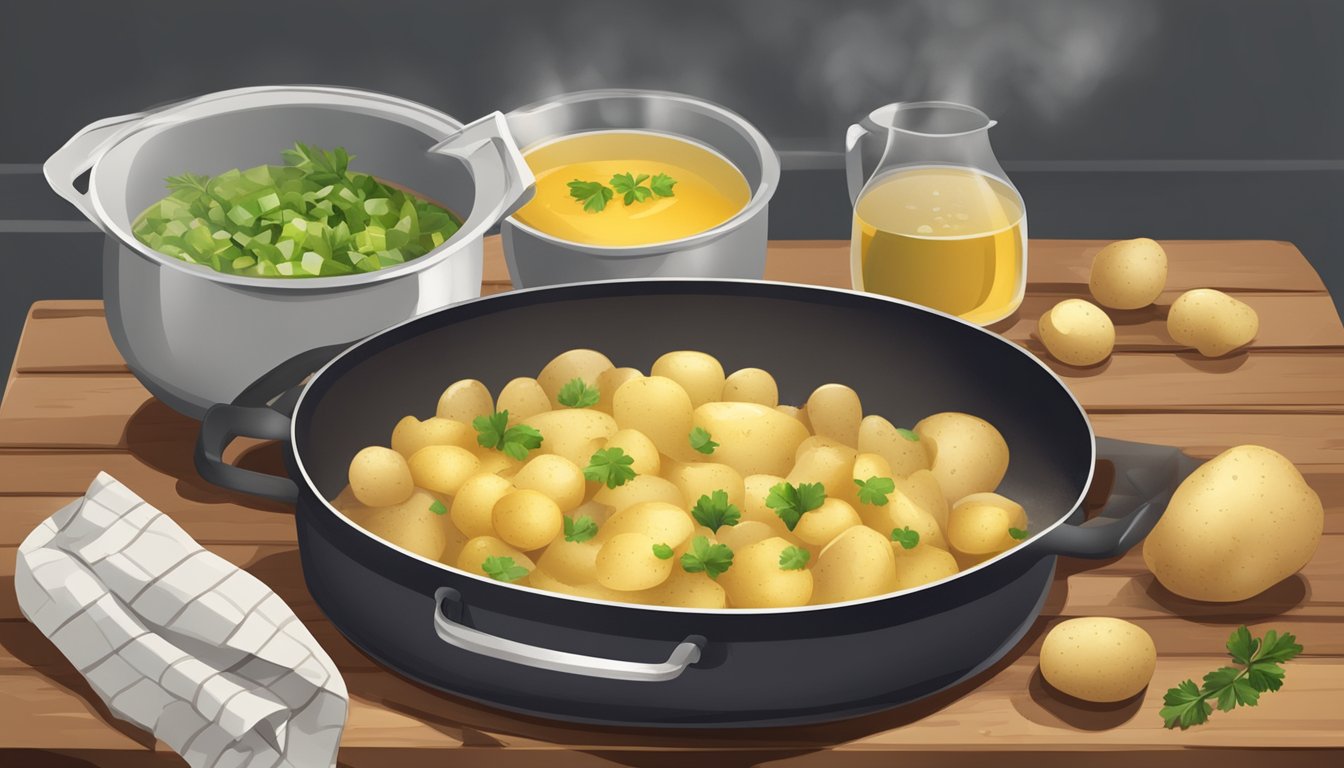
{"points": [[248, 226]]}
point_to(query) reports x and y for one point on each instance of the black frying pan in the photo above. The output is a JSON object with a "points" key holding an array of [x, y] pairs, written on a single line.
{"points": [[586, 660]]}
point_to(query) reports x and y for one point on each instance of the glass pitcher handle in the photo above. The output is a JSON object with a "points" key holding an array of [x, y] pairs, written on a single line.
{"points": [[855, 174]]}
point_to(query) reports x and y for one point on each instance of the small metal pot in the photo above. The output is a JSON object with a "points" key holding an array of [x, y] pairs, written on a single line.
{"points": [[195, 337], [735, 248]]}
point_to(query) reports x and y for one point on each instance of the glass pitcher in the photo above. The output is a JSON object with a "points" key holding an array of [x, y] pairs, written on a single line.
{"points": [[936, 220]]}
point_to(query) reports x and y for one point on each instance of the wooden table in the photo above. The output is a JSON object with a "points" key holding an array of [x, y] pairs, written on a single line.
{"points": [[71, 409]]}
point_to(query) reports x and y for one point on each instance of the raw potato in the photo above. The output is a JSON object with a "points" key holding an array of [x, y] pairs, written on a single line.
{"points": [[1128, 274], [557, 477], [1077, 332], [906, 456], [522, 398], [411, 525], [660, 408], [465, 400], [699, 374], [752, 438], [477, 549], [921, 565], [611, 380], [474, 504], [979, 523], [643, 488], [443, 468], [857, 564], [586, 364], [1241, 523], [757, 581], [527, 519], [1098, 659], [834, 411], [626, 562], [1211, 322], [972, 456], [379, 477], [751, 385], [412, 434], [575, 433]]}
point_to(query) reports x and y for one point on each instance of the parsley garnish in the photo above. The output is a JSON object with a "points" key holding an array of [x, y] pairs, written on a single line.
{"points": [[438, 508], [662, 184], [713, 511], [874, 490], [908, 434], [610, 466], [494, 432], [580, 529], [593, 194], [662, 551], [712, 559], [701, 442], [577, 394], [626, 184], [503, 569], [1187, 704], [907, 536], [1018, 533], [790, 502], [794, 559]]}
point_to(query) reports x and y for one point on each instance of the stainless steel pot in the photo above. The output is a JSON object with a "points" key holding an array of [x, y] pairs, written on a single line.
{"points": [[195, 337], [735, 248]]}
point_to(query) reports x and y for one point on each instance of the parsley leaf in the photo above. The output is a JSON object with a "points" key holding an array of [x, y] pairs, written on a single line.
{"points": [[793, 559], [1230, 687], [503, 569], [874, 490], [593, 194], [662, 551], [1018, 533], [628, 185], [662, 184], [701, 442], [713, 511], [610, 466], [712, 559], [493, 431], [908, 434], [577, 394], [790, 501], [907, 536], [438, 508], [580, 529]]}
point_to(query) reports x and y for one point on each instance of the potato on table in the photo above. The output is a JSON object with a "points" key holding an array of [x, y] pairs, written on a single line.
{"points": [[1129, 274], [1077, 332], [1098, 659], [1211, 322]]}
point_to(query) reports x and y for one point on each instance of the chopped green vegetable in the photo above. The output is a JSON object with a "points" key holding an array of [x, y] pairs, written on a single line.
{"points": [[1018, 533], [713, 511], [438, 508], [908, 434], [662, 184], [712, 559], [577, 394], [790, 502], [593, 194], [610, 466], [662, 551], [907, 536], [494, 432], [874, 490], [311, 217], [701, 441], [580, 529], [503, 569], [1188, 704], [794, 559]]}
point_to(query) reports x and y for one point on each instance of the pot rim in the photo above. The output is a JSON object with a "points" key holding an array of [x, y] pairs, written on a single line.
{"points": [[761, 193], [1019, 550], [397, 109]]}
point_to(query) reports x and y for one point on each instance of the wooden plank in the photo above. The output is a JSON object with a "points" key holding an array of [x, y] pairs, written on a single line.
{"points": [[1302, 438]]}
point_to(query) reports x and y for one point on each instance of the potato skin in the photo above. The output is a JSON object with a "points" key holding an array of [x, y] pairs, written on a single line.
{"points": [[443, 468], [751, 385], [557, 477], [527, 519], [834, 411], [380, 477], [626, 562], [1077, 332], [611, 380], [1211, 322], [465, 400], [971, 455], [523, 397], [411, 434], [1098, 659], [921, 565], [639, 490], [979, 524], [661, 409], [877, 435], [575, 433], [752, 438], [586, 364], [701, 375], [1128, 274], [1238, 525], [757, 581], [856, 564], [474, 503], [410, 524]]}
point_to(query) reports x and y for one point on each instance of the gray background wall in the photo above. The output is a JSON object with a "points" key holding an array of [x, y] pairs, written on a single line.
{"points": [[1168, 118]]}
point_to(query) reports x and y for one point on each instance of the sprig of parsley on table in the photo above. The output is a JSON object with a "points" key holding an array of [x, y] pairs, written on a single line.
{"points": [[790, 502], [610, 466], [1260, 672], [701, 441], [713, 511], [593, 194], [503, 569], [493, 431], [874, 490], [711, 559], [577, 394], [580, 529]]}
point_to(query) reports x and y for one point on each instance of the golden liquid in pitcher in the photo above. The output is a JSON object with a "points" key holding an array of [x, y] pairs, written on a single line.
{"points": [[949, 238]]}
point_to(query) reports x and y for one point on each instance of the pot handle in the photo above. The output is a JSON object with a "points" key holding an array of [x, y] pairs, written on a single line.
{"points": [[79, 154], [451, 630], [500, 173], [1145, 478]]}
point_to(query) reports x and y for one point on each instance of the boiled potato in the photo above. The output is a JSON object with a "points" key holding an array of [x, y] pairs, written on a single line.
{"points": [[753, 439], [832, 467], [757, 490], [756, 579], [464, 400], [664, 523], [744, 534], [479, 548], [380, 477], [796, 413], [412, 525], [541, 579], [751, 385], [523, 397], [661, 409], [574, 433], [443, 468], [412, 434], [573, 562], [627, 562], [1077, 332], [1211, 322], [1238, 525], [916, 503], [495, 462], [699, 374], [856, 564], [702, 478], [557, 477], [971, 455], [905, 451], [527, 519], [641, 489], [585, 364], [687, 590], [834, 411], [866, 466], [922, 564], [593, 509], [979, 524], [1128, 274], [817, 441], [639, 447], [1098, 659], [474, 504], [611, 380], [820, 526]]}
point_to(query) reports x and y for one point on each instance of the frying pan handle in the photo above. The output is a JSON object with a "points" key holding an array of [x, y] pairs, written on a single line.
{"points": [[459, 635], [1145, 478]]}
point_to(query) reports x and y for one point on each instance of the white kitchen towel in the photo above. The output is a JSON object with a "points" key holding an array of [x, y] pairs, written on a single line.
{"points": [[178, 640]]}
